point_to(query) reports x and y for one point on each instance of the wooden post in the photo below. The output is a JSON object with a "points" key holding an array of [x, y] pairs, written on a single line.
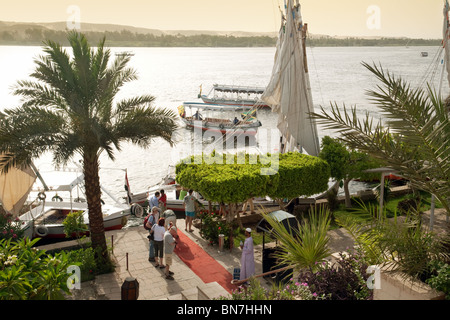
{"points": [[305, 60]]}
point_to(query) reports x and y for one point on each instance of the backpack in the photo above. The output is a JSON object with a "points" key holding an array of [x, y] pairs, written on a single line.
{"points": [[146, 224]]}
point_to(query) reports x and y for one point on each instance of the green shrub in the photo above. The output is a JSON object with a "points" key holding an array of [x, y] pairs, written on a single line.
{"points": [[440, 277], [9, 226], [27, 273], [213, 225]]}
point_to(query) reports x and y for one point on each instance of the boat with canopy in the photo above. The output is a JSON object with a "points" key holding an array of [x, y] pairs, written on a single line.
{"points": [[233, 95], [218, 118]]}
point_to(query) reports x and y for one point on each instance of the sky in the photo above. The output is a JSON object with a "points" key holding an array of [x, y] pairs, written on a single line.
{"points": [[389, 18]]}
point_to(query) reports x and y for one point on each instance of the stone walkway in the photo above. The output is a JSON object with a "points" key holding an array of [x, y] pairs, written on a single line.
{"points": [[130, 251]]}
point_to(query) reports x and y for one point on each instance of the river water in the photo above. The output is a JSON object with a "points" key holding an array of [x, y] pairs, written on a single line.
{"points": [[174, 75]]}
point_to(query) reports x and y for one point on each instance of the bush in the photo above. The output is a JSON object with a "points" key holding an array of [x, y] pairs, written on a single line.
{"points": [[289, 291], [213, 225], [10, 226], [346, 280], [26, 273], [85, 259], [440, 277]]}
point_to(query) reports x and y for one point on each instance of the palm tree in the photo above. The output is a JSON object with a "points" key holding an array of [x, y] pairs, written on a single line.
{"points": [[71, 110], [415, 139]]}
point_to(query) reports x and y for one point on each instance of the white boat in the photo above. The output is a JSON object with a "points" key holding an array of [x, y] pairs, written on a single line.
{"points": [[58, 194], [125, 54], [218, 118], [237, 96]]}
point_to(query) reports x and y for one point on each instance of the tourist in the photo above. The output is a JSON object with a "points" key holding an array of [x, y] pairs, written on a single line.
{"points": [[152, 220], [169, 244], [158, 237], [170, 218], [189, 207], [153, 201], [162, 201], [248, 258]]}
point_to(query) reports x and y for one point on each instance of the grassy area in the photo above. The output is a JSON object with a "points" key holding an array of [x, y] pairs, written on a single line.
{"points": [[355, 212], [390, 207]]}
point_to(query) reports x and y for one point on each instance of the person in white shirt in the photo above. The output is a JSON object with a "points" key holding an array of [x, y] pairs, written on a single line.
{"points": [[158, 238], [169, 245]]}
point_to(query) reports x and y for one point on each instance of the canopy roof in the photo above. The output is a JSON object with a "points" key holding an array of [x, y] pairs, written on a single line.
{"points": [[244, 89]]}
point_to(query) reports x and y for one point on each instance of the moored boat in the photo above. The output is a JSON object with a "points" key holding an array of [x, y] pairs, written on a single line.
{"points": [[237, 96], [61, 195], [218, 118]]}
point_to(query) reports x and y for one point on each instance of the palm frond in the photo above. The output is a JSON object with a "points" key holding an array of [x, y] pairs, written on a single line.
{"points": [[414, 139], [305, 247]]}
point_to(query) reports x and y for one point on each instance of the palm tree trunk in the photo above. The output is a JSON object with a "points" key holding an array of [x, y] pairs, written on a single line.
{"points": [[93, 197]]}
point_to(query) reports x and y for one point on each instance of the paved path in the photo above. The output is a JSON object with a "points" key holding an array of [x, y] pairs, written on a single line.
{"points": [[131, 245]]}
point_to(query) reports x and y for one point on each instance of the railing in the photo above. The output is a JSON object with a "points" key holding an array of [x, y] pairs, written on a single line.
{"points": [[238, 282]]}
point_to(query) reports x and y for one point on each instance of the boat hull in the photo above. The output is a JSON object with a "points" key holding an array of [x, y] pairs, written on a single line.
{"points": [[46, 220]]}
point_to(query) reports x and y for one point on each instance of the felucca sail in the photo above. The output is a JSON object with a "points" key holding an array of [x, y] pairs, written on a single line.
{"points": [[15, 187], [289, 91], [446, 39]]}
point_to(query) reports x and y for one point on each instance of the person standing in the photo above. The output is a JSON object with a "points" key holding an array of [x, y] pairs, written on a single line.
{"points": [[153, 201], [162, 201], [169, 245], [152, 220], [170, 218], [248, 258], [158, 235], [189, 207]]}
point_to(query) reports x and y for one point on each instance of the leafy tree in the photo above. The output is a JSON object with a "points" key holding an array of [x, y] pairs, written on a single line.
{"points": [[223, 181], [71, 110], [345, 164], [415, 139]]}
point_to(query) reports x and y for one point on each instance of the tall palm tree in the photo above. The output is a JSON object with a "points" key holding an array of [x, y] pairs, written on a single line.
{"points": [[414, 140], [69, 109]]}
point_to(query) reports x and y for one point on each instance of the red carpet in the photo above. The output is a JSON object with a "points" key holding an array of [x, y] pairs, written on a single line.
{"points": [[203, 265]]}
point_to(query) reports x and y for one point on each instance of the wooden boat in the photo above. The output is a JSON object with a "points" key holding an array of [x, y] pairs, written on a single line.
{"points": [[125, 54], [218, 118], [238, 96], [45, 220]]}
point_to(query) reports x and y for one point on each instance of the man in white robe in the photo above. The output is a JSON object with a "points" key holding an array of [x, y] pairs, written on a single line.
{"points": [[248, 258]]}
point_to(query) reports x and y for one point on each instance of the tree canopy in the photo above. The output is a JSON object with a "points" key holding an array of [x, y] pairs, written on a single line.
{"points": [[222, 181]]}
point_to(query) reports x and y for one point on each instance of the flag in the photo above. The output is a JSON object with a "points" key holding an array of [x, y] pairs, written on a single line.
{"points": [[127, 187]]}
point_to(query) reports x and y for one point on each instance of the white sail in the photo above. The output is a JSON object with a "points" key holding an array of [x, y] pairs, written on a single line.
{"points": [[446, 39], [15, 187], [289, 91]]}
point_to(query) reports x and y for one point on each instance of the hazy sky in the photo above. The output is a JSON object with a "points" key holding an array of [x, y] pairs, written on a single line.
{"points": [[410, 18]]}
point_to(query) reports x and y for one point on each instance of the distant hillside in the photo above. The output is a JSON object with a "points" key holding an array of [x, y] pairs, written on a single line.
{"points": [[96, 27], [20, 33]]}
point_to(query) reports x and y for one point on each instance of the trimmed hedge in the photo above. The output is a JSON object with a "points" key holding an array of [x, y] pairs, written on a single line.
{"points": [[297, 175]]}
